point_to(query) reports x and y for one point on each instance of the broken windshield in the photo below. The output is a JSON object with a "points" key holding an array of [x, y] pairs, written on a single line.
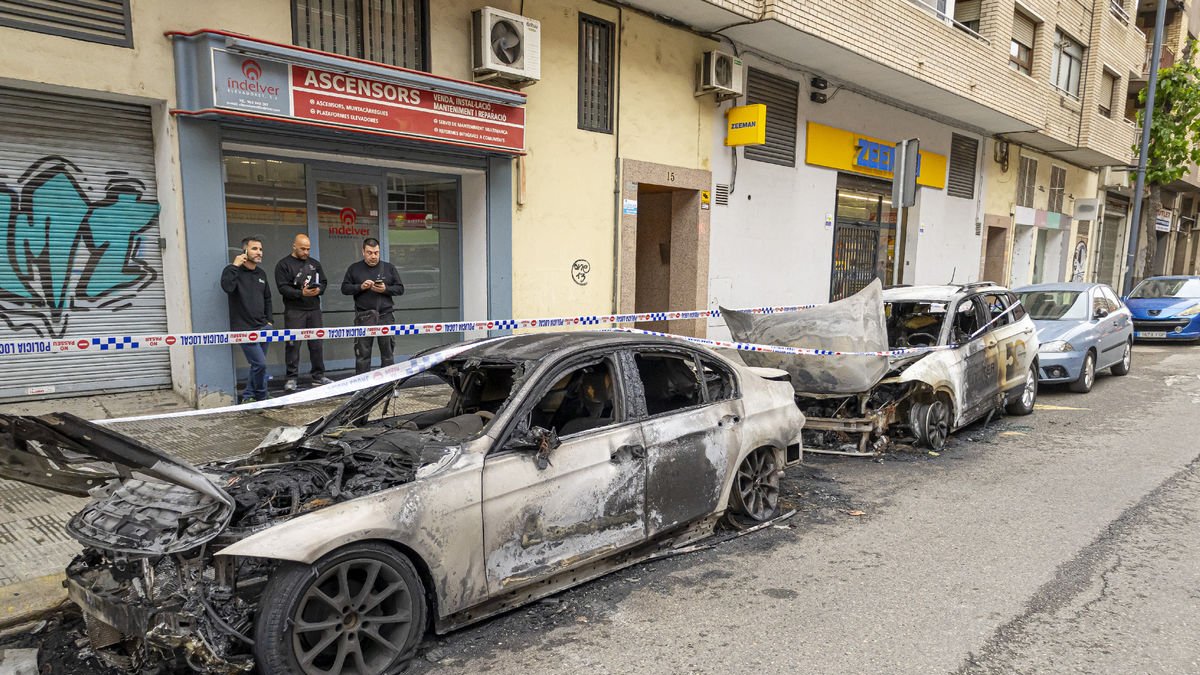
{"points": [[914, 323]]}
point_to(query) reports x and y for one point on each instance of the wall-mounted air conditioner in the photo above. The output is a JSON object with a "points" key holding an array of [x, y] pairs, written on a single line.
{"points": [[505, 47], [722, 73]]}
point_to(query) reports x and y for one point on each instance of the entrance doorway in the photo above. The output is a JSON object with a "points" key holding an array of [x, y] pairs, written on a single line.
{"points": [[864, 238], [994, 250], [1112, 239]]}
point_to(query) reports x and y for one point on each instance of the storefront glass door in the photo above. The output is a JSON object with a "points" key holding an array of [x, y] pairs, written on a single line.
{"points": [[347, 212], [864, 241]]}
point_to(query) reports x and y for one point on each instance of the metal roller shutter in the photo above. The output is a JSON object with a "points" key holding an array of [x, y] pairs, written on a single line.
{"points": [[780, 96], [964, 155], [79, 243], [1023, 29]]}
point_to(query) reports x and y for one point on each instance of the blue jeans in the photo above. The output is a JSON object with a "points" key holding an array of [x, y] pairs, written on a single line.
{"points": [[256, 384]]}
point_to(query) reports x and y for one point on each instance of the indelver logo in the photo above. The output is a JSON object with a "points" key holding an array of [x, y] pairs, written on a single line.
{"points": [[249, 84], [349, 219]]}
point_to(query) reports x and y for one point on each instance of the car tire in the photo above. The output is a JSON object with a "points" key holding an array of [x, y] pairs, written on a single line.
{"points": [[1023, 405], [1087, 375], [754, 498], [1126, 362], [934, 420], [358, 609]]}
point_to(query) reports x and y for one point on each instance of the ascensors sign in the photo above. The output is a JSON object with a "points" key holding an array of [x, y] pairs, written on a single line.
{"points": [[855, 153], [266, 86]]}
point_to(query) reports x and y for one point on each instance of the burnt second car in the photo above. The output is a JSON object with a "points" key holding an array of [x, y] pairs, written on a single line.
{"points": [[537, 463]]}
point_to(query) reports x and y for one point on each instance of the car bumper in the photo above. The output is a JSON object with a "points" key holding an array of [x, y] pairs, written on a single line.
{"points": [[1168, 333], [1060, 366]]}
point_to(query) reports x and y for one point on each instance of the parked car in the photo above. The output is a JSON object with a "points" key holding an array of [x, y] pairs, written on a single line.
{"points": [[986, 359], [1082, 328], [549, 460], [1166, 308]]}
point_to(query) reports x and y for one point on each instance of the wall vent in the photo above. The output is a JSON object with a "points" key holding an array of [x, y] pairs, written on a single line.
{"points": [[722, 196]]}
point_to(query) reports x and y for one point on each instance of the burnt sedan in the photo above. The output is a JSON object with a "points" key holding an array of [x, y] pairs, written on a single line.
{"points": [[540, 461]]}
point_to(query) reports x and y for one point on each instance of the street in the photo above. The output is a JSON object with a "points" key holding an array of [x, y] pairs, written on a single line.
{"points": [[1060, 542]]}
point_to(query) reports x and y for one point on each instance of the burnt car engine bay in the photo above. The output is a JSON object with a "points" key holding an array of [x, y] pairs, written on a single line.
{"points": [[157, 596]]}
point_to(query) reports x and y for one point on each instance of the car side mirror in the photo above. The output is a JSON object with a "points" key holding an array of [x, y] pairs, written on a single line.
{"points": [[540, 440]]}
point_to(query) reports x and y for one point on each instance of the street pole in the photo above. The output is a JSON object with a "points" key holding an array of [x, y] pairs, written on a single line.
{"points": [[1135, 226]]}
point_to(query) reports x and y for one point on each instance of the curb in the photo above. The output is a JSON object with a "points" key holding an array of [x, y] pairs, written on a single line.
{"points": [[30, 600]]}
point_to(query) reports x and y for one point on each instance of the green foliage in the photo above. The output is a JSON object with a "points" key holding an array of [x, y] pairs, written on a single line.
{"points": [[1175, 126]]}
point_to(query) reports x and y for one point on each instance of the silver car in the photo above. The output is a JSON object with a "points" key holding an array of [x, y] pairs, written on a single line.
{"points": [[1082, 328], [539, 462]]}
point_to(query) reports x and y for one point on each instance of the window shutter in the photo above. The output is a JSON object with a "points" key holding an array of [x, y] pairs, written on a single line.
{"points": [[1023, 29], [1026, 181], [966, 11], [964, 155], [1107, 84], [103, 21], [780, 95]]}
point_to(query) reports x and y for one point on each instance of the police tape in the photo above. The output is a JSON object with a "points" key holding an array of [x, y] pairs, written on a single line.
{"points": [[780, 349], [123, 343], [350, 385]]}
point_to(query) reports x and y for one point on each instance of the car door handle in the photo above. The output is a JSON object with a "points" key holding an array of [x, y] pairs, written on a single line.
{"points": [[729, 420], [626, 452]]}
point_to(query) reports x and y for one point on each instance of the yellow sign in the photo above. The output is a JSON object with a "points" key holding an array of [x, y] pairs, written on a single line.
{"points": [[847, 151], [746, 125], [705, 197]]}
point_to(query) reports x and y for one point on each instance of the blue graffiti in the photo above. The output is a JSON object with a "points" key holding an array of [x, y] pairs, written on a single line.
{"points": [[62, 254]]}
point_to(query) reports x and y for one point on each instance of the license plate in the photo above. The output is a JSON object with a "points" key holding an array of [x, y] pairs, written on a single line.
{"points": [[1153, 333]]}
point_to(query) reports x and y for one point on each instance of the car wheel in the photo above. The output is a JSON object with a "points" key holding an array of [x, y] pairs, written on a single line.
{"points": [[359, 610], [755, 495], [1024, 404], [1087, 375], [1126, 363], [934, 422]]}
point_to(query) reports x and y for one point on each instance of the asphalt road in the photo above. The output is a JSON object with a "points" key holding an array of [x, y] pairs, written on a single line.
{"points": [[1060, 542]]}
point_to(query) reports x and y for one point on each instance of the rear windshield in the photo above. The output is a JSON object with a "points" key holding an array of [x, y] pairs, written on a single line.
{"points": [[1167, 288], [1055, 305]]}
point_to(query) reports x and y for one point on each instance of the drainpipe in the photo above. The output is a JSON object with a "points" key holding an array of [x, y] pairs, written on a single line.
{"points": [[1134, 226], [617, 179]]}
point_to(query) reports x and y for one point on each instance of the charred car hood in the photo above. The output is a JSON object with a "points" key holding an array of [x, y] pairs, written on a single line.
{"points": [[159, 504]]}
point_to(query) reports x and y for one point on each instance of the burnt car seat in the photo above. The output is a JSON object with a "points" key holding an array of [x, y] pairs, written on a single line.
{"points": [[669, 383], [591, 405]]}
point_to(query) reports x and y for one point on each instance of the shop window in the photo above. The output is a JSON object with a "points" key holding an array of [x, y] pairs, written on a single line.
{"points": [[1068, 64], [1108, 84], [1058, 189], [1026, 182], [1020, 54], [670, 382], [780, 96], [964, 156], [104, 21], [595, 74], [395, 32]]}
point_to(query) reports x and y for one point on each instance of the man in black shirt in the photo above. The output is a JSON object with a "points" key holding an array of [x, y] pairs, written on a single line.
{"points": [[250, 310], [301, 281], [373, 283]]}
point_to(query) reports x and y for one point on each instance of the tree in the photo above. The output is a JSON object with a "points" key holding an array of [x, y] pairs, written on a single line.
{"points": [[1174, 142]]}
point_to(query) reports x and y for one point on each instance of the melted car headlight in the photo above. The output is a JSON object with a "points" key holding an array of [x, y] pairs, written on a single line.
{"points": [[1056, 346], [1190, 311]]}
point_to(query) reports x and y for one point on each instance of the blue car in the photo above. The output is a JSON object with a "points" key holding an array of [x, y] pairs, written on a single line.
{"points": [[1166, 308], [1082, 328]]}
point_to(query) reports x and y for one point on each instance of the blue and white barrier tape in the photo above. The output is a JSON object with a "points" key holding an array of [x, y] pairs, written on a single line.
{"points": [[779, 349]]}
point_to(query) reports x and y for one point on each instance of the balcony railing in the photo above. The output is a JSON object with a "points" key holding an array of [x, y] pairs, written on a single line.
{"points": [[1165, 60], [1117, 7]]}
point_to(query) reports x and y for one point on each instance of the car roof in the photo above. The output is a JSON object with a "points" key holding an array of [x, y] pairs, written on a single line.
{"points": [[536, 346], [1173, 276], [1059, 286], [937, 293]]}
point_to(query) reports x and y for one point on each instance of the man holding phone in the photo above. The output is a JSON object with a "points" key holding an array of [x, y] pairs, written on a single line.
{"points": [[301, 281], [250, 310], [373, 283]]}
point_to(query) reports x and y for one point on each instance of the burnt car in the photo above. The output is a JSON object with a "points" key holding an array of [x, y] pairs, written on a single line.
{"points": [[982, 357], [538, 462]]}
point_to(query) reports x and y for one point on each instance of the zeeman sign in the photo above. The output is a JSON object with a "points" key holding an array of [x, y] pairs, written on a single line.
{"points": [[847, 151]]}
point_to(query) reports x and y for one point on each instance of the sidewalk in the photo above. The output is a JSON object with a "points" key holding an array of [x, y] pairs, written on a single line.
{"points": [[34, 545]]}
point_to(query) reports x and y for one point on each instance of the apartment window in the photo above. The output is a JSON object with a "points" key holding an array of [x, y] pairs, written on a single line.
{"points": [[595, 74], [964, 155], [966, 13], [1068, 63], [1058, 188], [780, 96], [395, 32], [1026, 182], [103, 21], [1108, 83], [1020, 53]]}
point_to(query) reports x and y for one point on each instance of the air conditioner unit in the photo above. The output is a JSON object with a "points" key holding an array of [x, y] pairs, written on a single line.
{"points": [[505, 47], [721, 73]]}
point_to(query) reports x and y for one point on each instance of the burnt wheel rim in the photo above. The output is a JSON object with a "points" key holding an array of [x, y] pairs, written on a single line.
{"points": [[756, 490], [354, 619], [1030, 393], [937, 424]]}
